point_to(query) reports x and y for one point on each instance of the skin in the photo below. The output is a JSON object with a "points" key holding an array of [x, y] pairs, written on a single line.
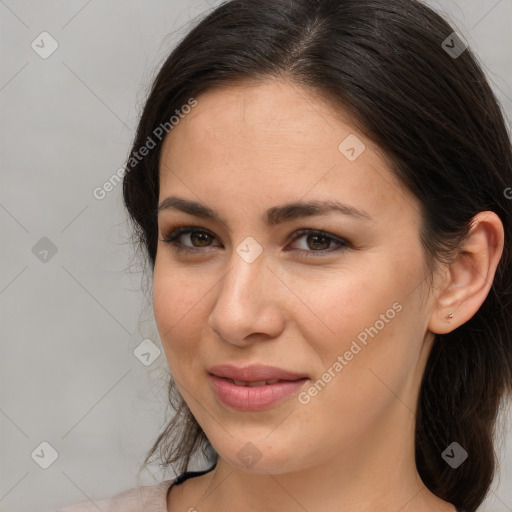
{"points": [[249, 147]]}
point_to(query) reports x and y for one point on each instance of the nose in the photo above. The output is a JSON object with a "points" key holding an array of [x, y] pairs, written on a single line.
{"points": [[248, 305]]}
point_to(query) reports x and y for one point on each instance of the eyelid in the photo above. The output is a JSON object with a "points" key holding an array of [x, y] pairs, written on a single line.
{"points": [[174, 233], [299, 233]]}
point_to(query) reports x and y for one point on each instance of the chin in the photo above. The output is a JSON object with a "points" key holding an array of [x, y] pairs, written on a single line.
{"points": [[259, 457]]}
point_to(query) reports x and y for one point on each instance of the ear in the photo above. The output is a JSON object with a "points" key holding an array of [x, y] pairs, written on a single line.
{"points": [[469, 277]]}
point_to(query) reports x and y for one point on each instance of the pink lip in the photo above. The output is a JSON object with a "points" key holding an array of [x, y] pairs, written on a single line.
{"points": [[254, 372], [253, 398]]}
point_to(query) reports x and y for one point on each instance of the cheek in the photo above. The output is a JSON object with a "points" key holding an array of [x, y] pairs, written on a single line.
{"points": [[367, 320], [339, 306], [180, 308], [359, 381]]}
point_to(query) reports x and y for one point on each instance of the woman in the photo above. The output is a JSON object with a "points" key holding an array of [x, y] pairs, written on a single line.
{"points": [[320, 187]]}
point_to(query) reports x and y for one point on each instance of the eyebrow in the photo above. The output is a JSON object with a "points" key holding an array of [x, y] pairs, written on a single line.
{"points": [[272, 217]]}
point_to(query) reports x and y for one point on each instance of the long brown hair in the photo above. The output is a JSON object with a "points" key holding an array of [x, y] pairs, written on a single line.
{"points": [[431, 111]]}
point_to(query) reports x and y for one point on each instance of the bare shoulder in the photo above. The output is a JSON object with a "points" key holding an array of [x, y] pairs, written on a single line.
{"points": [[136, 499]]}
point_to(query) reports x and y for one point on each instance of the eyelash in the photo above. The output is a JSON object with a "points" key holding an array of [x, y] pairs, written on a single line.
{"points": [[172, 237]]}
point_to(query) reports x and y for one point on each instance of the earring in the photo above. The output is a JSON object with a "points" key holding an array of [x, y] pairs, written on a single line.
{"points": [[450, 315]]}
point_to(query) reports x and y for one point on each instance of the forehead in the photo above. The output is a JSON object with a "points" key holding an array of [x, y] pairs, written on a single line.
{"points": [[274, 142]]}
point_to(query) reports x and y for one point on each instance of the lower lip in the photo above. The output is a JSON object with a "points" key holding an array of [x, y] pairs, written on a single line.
{"points": [[253, 398]]}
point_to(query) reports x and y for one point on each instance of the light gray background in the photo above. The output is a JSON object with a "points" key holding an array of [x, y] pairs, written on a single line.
{"points": [[69, 326]]}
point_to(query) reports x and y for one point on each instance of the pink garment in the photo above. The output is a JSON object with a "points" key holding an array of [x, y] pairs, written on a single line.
{"points": [[146, 498]]}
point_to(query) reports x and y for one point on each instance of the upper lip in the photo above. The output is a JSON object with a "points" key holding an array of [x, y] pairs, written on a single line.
{"points": [[254, 373]]}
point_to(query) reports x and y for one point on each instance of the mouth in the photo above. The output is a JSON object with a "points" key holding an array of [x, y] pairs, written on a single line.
{"points": [[254, 374], [254, 395], [258, 383]]}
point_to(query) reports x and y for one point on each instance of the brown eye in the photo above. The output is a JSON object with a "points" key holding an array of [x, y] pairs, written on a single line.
{"points": [[319, 242], [198, 237]]}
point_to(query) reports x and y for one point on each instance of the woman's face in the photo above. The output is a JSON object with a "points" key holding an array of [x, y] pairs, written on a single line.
{"points": [[348, 308]]}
